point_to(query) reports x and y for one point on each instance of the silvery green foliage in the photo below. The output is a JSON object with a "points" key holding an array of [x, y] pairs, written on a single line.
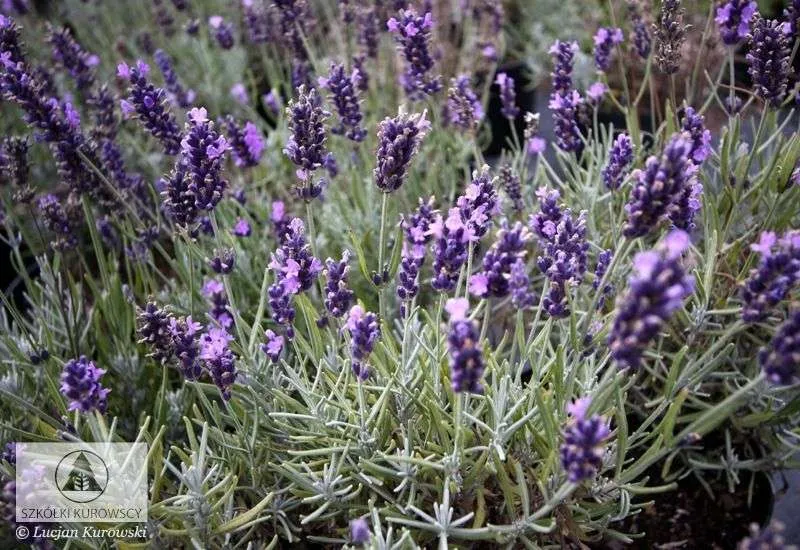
{"points": [[302, 447]]}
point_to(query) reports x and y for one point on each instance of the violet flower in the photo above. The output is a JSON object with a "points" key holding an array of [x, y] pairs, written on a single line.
{"points": [[214, 291], [398, 141], [463, 108], [510, 181], [733, 18], [519, 286], [306, 145], [565, 108], [247, 143], [60, 218], [242, 228], [641, 34], [70, 56], [605, 40], [584, 442], [416, 231], [180, 96], [493, 279], [619, 160], [222, 31], [508, 96], [563, 62], [344, 95], [663, 189], [413, 34], [479, 203], [452, 236], [223, 263], [657, 289], [273, 346], [780, 360], [463, 344], [146, 102], [203, 152], [219, 359], [153, 328], [776, 274], [80, 383], [185, 335], [768, 60], [564, 262], [365, 331], [338, 297], [359, 531], [693, 123]]}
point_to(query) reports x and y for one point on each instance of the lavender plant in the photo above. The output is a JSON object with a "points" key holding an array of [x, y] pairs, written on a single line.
{"points": [[443, 348]]}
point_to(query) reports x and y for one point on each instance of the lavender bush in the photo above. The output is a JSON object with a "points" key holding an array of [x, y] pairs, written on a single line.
{"points": [[333, 321]]}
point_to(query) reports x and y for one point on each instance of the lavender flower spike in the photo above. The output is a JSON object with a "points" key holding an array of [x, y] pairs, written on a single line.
{"points": [[181, 97], [494, 279], [693, 123], [466, 354], [605, 39], [584, 442], [80, 383], [565, 108], [642, 42], [463, 109], [417, 236], [306, 145], [69, 55], [780, 360], [777, 273], [219, 359], [338, 297], [398, 141], [508, 96], [203, 152], [733, 18], [147, 103], [619, 160], [659, 188], [247, 143], [563, 59], [670, 32], [657, 289], [344, 94], [768, 60], [364, 332], [412, 33], [222, 31]]}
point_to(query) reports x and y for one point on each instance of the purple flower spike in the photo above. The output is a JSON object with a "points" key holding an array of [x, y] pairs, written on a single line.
{"points": [[479, 204], [364, 331], [565, 108], [146, 102], [463, 343], [493, 280], [306, 145], [508, 96], [666, 188], [543, 223], [512, 186], [605, 40], [463, 108], [247, 143], [70, 56], [452, 236], [153, 328], [180, 96], [338, 297], [61, 219], [733, 18], [777, 273], [398, 141], [10, 41], [220, 312], [564, 60], [768, 60], [345, 97], [619, 160], [584, 442], [657, 289], [564, 261], [202, 153], [80, 383], [219, 359], [693, 123], [186, 346], [222, 31], [413, 34], [416, 230], [780, 360], [519, 286], [670, 32], [792, 16], [273, 347], [642, 43]]}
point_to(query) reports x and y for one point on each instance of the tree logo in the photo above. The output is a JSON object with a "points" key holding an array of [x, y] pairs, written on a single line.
{"points": [[81, 476]]}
